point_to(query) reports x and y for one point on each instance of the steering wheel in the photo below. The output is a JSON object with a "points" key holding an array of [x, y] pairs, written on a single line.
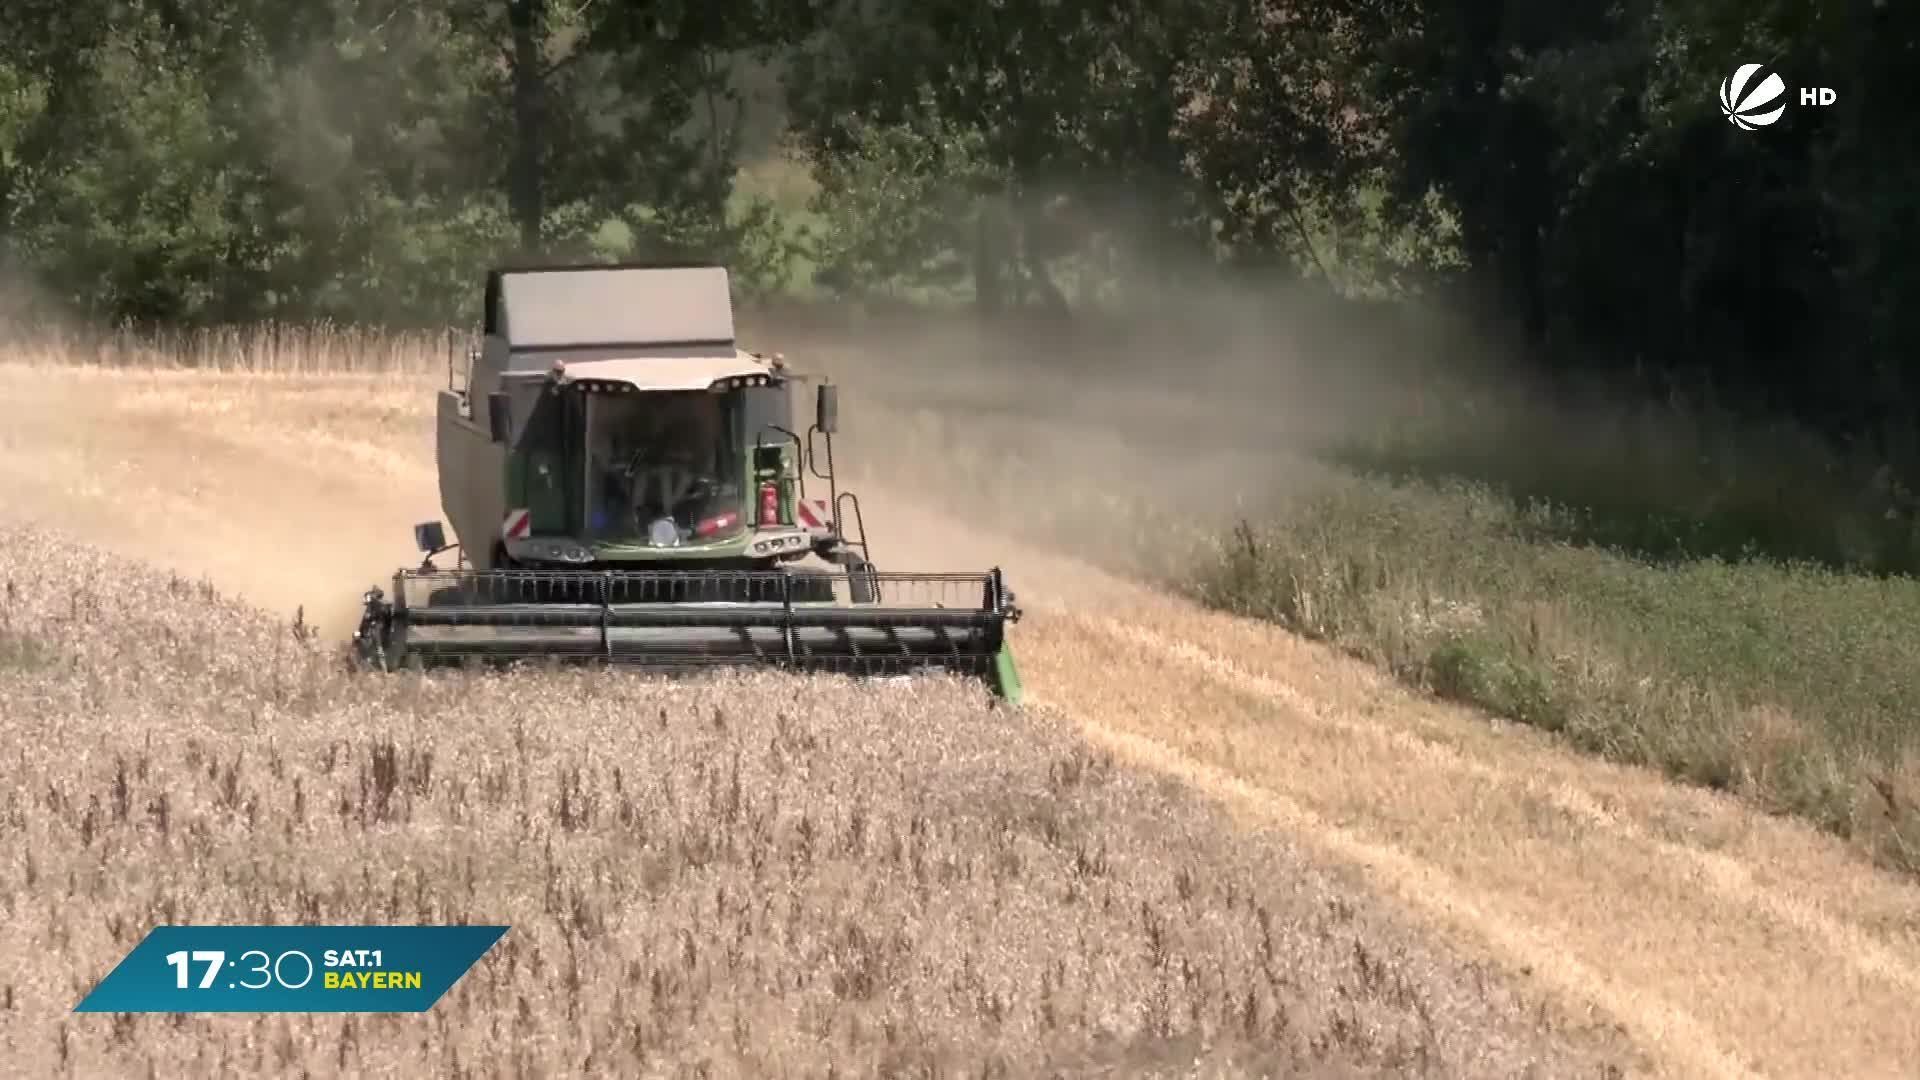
{"points": [[697, 490]]}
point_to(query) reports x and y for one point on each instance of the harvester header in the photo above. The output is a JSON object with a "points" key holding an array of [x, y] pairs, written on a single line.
{"points": [[625, 483]]}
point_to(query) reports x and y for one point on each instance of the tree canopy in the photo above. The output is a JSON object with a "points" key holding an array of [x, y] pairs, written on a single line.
{"points": [[1563, 170]]}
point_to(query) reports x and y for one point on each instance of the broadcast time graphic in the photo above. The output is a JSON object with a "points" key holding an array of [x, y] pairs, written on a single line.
{"points": [[257, 969]]}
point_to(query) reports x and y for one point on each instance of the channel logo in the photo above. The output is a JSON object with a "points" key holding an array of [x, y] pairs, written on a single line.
{"points": [[1754, 97]]}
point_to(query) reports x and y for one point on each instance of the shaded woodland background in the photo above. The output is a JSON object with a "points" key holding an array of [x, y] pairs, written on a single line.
{"points": [[1554, 185]]}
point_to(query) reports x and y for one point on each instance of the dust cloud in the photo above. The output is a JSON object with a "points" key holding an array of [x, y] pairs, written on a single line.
{"points": [[1121, 445]]}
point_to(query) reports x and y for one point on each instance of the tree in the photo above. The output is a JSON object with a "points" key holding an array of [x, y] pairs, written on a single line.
{"points": [[1072, 106]]}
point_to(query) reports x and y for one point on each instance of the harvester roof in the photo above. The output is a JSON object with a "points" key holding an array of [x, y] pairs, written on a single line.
{"points": [[687, 309]]}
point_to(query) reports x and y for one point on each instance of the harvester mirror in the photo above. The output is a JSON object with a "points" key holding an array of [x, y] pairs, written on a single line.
{"points": [[499, 417], [431, 537], [827, 409]]}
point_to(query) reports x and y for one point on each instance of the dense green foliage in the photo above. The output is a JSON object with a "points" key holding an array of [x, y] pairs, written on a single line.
{"points": [[1564, 171], [1789, 684], [190, 161]]}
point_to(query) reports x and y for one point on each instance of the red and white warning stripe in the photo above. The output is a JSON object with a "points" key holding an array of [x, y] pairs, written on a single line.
{"points": [[813, 513], [518, 524]]}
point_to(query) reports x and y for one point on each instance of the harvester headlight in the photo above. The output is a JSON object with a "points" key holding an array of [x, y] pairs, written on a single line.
{"points": [[566, 551], [771, 545], [664, 532], [569, 552]]}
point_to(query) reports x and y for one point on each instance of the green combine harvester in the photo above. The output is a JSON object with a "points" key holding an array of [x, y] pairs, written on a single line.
{"points": [[627, 485]]}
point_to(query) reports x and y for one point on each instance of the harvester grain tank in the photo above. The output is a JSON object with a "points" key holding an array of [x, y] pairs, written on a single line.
{"points": [[626, 484]]}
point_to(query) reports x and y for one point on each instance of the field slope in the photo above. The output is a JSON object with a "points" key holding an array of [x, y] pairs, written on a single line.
{"points": [[1715, 940], [736, 877]]}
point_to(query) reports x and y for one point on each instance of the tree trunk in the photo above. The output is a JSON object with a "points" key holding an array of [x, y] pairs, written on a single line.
{"points": [[989, 256], [526, 199]]}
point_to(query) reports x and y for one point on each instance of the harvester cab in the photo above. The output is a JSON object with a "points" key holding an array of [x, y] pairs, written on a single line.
{"points": [[626, 484]]}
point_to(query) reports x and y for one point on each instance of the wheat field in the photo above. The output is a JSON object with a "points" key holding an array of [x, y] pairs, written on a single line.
{"points": [[1443, 893], [748, 876]]}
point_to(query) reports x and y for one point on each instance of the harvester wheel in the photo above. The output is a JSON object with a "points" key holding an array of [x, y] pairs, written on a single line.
{"points": [[369, 649]]}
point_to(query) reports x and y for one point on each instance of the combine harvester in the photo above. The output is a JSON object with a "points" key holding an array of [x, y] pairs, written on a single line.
{"points": [[627, 485]]}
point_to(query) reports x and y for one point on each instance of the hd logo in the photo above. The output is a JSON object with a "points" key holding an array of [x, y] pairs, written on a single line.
{"points": [[1754, 97]]}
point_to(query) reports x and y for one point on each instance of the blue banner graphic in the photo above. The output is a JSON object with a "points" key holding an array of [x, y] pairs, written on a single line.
{"points": [[309, 969]]}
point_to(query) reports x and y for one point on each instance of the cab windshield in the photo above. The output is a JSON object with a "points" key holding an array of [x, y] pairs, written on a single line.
{"points": [[664, 469]]}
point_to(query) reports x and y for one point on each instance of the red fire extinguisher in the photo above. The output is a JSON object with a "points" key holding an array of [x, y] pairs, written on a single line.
{"points": [[769, 504]]}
